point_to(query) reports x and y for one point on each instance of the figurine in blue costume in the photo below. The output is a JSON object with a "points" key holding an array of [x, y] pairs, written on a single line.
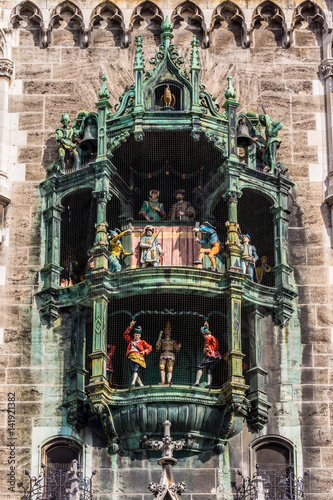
{"points": [[209, 235], [153, 209], [116, 249], [249, 256]]}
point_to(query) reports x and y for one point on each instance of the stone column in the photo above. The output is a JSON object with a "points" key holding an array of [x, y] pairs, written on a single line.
{"points": [[98, 355], [104, 107], [235, 356], [233, 251], [6, 73], [52, 268], [257, 372], [327, 72]]}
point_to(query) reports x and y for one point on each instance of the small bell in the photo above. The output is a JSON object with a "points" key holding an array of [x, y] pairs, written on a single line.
{"points": [[244, 140], [89, 141]]}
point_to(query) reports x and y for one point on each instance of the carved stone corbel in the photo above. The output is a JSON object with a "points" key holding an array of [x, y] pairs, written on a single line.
{"points": [[6, 68]]}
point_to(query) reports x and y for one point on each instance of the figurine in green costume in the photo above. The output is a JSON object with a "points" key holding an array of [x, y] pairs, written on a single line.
{"points": [[67, 141], [273, 142], [152, 209]]}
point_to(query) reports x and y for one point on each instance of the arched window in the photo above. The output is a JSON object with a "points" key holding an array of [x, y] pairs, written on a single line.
{"points": [[60, 456], [273, 458]]}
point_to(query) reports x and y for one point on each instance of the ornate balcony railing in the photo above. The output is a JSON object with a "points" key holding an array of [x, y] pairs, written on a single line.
{"points": [[271, 485], [60, 484]]}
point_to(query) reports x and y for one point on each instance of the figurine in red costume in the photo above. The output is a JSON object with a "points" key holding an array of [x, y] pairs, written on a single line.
{"points": [[136, 351], [110, 348], [212, 355]]}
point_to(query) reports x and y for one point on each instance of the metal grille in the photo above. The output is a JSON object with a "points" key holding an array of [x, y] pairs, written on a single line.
{"points": [[60, 483], [271, 485]]}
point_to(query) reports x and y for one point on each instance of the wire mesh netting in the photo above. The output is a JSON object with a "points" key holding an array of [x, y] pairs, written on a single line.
{"points": [[173, 183]]}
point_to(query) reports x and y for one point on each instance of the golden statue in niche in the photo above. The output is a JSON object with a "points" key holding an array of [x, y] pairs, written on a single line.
{"points": [[168, 100]]}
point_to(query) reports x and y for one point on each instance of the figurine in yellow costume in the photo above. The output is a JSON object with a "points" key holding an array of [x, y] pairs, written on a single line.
{"points": [[116, 249]]}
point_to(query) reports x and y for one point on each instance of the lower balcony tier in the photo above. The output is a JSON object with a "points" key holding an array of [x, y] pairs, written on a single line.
{"points": [[205, 419]]}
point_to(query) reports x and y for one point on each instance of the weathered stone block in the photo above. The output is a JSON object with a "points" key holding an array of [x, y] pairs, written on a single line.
{"points": [[30, 121], [304, 121], [20, 103], [314, 413], [315, 335], [300, 72], [35, 172], [305, 275], [65, 37], [48, 87], [313, 104], [33, 71], [16, 294], [315, 375], [325, 316]]}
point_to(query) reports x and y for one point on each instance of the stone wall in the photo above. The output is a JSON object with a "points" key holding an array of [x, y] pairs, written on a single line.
{"points": [[275, 63]]}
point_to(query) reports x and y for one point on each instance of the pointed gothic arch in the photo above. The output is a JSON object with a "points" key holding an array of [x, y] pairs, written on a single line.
{"points": [[228, 17], [268, 25], [107, 24], [308, 24], [27, 17], [66, 24], [146, 20], [188, 18]]}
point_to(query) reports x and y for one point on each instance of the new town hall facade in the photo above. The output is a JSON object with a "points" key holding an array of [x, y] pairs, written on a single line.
{"points": [[165, 254]]}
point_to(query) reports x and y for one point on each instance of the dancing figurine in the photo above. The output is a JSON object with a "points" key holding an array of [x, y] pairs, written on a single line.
{"points": [[117, 249], [168, 348], [136, 351], [212, 355], [209, 235]]}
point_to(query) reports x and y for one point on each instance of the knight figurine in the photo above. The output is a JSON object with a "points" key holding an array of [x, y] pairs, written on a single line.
{"points": [[168, 347]]}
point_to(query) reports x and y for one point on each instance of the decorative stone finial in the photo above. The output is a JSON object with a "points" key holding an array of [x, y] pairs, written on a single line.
{"points": [[167, 487], [167, 30], [103, 92], [139, 60], [230, 93], [195, 57]]}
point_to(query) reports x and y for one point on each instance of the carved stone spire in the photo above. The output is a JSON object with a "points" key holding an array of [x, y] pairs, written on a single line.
{"points": [[139, 60], [230, 93], [103, 92], [195, 57], [167, 30]]}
